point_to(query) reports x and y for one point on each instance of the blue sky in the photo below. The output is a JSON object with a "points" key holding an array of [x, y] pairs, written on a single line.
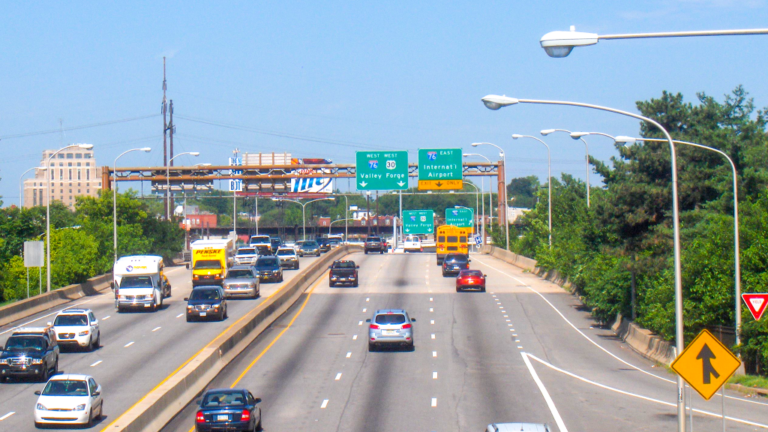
{"points": [[355, 75]]}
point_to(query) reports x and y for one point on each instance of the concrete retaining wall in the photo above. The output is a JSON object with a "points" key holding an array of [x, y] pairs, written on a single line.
{"points": [[27, 307], [161, 404], [639, 339]]}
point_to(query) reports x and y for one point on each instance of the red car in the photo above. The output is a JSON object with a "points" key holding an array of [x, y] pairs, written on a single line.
{"points": [[470, 280]]}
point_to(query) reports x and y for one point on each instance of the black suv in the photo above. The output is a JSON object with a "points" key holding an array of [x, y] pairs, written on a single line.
{"points": [[268, 268], [375, 244], [30, 352], [453, 263], [275, 243]]}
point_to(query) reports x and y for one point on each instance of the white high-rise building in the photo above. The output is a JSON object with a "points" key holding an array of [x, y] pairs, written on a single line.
{"points": [[73, 173]]}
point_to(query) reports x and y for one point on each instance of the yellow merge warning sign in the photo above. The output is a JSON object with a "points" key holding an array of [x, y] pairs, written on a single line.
{"points": [[706, 364]]}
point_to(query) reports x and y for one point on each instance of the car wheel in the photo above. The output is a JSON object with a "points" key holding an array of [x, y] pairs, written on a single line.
{"points": [[258, 425], [95, 344], [89, 423], [101, 411], [46, 374], [224, 315]]}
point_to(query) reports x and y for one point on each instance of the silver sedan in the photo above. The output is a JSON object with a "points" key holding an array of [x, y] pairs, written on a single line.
{"points": [[241, 281]]}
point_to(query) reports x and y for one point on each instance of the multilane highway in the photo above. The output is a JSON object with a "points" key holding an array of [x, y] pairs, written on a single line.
{"points": [[525, 351], [138, 349]]}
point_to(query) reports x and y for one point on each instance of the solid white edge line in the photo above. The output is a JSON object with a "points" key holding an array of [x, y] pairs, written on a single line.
{"points": [[545, 393], [7, 415], [96, 364], [595, 343], [646, 398], [324, 404]]}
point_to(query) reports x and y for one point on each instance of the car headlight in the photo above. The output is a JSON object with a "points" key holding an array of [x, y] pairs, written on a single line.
{"points": [[80, 407], [83, 333], [190, 307], [41, 407], [275, 271], [37, 361]]}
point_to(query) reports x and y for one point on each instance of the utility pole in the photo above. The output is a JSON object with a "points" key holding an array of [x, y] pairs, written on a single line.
{"points": [[377, 213], [164, 110], [256, 210], [236, 152], [171, 131], [368, 213]]}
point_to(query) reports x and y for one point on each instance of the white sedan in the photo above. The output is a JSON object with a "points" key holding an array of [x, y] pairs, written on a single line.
{"points": [[69, 399]]}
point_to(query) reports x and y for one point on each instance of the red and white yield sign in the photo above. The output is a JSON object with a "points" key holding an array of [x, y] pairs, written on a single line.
{"points": [[756, 303]]}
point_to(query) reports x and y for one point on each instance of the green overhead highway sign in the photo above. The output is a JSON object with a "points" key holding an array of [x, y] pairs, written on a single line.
{"points": [[440, 169], [418, 221], [460, 217], [381, 170]]}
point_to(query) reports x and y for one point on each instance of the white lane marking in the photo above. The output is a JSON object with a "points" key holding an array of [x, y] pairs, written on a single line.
{"points": [[7, 415], [354, 337], [506, 316], [338, 376], [179, 315], [434, 375], [96, 364], [545, 393], [106, 317], [517, 340], [434, 353], [519, 347], [324, 404], [501, 307], [128, 344], [432, 322], [431, 309], [156, 329], [494, 295], [45, 316], [349, 354], [503, 311], [367, 299], [508, 320], [649, 399], [430, 299], [434, 402], [365, 309], [433, 335], [359, 323], [514, 334]]}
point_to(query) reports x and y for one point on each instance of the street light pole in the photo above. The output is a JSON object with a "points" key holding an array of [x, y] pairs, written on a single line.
{"points": [[496, 102], [490, 192], [21, 193], [49, 181], [504, 200], [168, 182], [477, 207], [546, 132], [114, 195], [549, 181], [303, 212]]}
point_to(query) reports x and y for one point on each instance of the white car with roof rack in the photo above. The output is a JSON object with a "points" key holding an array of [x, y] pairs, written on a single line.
{"points": [[77, 328]]}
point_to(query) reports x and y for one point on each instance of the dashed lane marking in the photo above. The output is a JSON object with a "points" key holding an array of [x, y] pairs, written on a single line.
{"points": [[432, 322], [128, 344], [367, 299], [433, 335], [431, 309], [349, 354], [156, 329], [434, 353], [359, 323], [96, 364], [519, 347], [365, 309], [434, 402], [106, 317], [338, 376], [7, 415], [324, 404], [179, 315], [354, 337], [434, 375], [430, 299]]}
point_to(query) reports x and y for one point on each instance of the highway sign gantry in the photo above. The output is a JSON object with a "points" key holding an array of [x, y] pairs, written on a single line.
{"points": [[706, 364], [381, 170], [460, 217], [418, 221], [440, 169], [756, 303]]}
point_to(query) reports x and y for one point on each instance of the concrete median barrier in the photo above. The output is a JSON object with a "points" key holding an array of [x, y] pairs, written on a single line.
{"points": [[162, 403]]}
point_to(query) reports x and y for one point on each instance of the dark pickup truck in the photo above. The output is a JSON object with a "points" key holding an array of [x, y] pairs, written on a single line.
{"points": [[375, 244], [343, 272]]}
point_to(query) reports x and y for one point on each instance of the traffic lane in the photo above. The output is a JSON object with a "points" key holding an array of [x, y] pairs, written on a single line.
{"points": [[551, 337], [139, 349], [292, 361]]}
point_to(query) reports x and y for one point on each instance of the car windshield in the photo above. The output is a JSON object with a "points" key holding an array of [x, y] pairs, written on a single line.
{"points": [[66, 388], [207, 264], [390, 319], [248, 251], [136, 282], [456, 258], [334, 242], [71, 320], [373, 239], [474, 273], [260, 239], [309, 244], [344, 265], [223, 398], [234, 274], [282, 252], [266, 262], [17, 343], [205, 294]]}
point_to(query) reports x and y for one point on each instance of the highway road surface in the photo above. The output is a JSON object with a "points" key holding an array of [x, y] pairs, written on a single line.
{"points": [[525, 351], [138, 349]]}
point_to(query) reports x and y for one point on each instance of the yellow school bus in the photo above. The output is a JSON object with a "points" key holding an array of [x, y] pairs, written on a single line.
{"points": [[451, 239]]}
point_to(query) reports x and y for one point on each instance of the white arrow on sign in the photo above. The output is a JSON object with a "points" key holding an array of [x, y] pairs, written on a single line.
{"points": [[363, 184], [401, 184]]}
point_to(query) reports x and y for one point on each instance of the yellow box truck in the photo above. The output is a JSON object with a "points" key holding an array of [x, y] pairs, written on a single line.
{"points": [[209, 261]]}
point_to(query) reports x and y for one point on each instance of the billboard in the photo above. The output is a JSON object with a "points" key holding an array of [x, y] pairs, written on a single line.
{"points": [[312, 185]]}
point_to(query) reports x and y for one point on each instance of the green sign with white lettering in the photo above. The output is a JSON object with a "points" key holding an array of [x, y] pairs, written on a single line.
{"points": [[460, 217], [418, 221], [440, 169], [381, 170]]}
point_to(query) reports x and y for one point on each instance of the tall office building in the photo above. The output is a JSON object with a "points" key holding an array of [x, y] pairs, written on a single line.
{"points": [[73, 173]]}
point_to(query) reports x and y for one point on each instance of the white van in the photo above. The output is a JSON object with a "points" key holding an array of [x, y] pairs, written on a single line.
{"points": [[139, 282], [412, 243]]}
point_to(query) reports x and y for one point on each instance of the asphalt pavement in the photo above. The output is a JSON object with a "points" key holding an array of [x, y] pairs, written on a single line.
{"points": [[138, 349], [525, 351]]}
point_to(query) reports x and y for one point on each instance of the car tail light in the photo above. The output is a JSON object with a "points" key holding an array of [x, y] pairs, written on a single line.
{"points": [[246, 416], [406, 326], [374, 327], [200, 417]]}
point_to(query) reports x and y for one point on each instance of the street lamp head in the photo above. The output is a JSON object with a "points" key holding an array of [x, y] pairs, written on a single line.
{"points": [[625, 140], [546, 132], [146, 149], [516, 136], [559, 44], [577, 135], [495, 102], [195, 153], [85, 146]]}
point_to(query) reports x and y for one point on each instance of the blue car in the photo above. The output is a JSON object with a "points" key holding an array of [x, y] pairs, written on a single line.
{"points": [[228, 410]]}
